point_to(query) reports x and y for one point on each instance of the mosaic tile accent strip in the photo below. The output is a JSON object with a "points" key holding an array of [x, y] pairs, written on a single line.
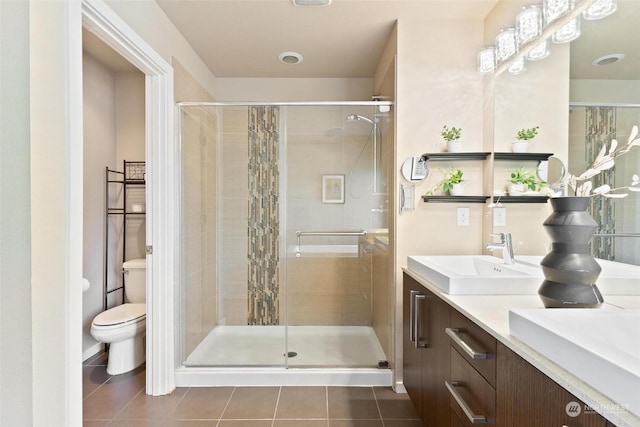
{"points": [[600, 130], [264, 216]]}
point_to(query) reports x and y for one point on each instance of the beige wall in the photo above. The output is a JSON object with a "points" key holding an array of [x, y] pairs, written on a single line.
{"points": [[304, 89]]}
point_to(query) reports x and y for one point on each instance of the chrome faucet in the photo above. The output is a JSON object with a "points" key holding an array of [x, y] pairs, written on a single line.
{"points": [[506, 245]]}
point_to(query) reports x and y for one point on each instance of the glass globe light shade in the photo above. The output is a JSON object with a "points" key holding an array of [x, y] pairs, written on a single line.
{"points": [[554, 9], [486, 60], [506, 45], [517, 67], [600, 9], [528, 24], [569, 32], [539, 52]]}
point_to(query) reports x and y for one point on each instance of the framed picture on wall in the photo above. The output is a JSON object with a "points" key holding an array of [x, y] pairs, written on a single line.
{"points": [[332, 188]]}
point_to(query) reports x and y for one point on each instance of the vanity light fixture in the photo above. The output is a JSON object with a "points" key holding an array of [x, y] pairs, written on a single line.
{"points": [[535, 26], [600, 9], [487, 60], [569, 32], [506, 45], [528, 24], [290, 58]]}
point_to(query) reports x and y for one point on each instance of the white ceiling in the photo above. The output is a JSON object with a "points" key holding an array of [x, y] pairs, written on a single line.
{"points": [[242, 38]]}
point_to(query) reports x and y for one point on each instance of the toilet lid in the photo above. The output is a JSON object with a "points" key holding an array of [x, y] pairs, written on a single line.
{"points": [[120, 314]]}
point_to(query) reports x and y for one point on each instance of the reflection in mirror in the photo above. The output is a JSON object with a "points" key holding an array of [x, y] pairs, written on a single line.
{"points": [[414, 169], [618, 235]]}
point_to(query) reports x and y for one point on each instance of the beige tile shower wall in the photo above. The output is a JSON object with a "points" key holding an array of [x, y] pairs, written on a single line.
{"points": [[199, 285], [327, 291], [232, 227]]}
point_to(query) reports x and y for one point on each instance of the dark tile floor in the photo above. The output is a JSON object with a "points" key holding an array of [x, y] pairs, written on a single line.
{"points": [[120, 401]]}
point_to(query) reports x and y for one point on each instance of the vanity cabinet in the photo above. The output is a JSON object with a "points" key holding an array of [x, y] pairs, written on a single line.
{"points": [[528, 398], [426, 353], [457, 374]]}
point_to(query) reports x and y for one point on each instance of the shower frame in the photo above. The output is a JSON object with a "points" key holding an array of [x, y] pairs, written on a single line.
{"points": [[279, 375]]}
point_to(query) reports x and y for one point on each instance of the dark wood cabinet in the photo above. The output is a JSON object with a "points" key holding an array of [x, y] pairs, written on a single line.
{"points": [[426, 353], [528, 398], [455, 371]]}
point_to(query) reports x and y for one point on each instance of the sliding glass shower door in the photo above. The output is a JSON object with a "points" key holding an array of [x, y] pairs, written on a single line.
{"points": [[284, 210]]}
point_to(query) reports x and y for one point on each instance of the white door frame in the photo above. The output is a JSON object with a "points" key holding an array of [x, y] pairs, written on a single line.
{"points": [[161, 219]]}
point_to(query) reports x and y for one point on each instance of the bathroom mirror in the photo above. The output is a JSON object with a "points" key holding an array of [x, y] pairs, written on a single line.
{"points": [[551, 171], [600, 87], [415, 170]]}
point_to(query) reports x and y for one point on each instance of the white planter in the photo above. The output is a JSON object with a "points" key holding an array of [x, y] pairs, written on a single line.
{"points": [[457, 190], [516, 189], [520, 146], [454, 146]]}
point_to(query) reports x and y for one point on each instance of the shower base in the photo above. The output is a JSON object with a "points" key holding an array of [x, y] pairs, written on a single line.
{"points": [[255, 355]]}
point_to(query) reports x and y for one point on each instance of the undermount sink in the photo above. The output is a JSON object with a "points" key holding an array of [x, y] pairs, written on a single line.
{"points": [[601, 347], [616, 278], [477, 274]]}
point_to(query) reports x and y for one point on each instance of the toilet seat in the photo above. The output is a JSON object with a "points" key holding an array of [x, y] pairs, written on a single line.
{"points": [[120, 315]]}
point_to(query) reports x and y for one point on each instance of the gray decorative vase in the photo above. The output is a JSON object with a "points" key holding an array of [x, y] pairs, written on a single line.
{"points": [[569, 269]]}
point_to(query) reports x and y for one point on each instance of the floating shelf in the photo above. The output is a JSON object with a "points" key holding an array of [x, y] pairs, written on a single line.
{"points": [[522, 156], [455, 199], [521, 199], [455, 156]]}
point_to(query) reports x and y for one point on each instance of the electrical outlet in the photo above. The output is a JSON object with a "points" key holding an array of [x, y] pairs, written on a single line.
{"points": [[463, 217], [499, 217]]}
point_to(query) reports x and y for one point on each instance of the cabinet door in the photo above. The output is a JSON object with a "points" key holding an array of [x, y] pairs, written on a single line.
{"points": [[412, 356], [528, 398], [435, 361]]}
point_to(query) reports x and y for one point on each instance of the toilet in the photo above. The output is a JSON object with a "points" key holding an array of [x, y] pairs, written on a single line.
{"points": [[123, 327]]}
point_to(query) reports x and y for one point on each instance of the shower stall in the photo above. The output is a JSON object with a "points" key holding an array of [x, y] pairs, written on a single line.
{"points": [[285, 250]]}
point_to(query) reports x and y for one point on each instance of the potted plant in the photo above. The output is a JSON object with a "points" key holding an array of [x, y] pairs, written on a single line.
{"points": [[522, 181], [452, 138], [524, 135], [452, 183]]}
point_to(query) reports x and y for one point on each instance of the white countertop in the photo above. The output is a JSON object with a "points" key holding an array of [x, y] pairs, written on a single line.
{"points": [[491, 312]]}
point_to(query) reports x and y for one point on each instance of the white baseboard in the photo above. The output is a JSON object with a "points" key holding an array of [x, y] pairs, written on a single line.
{"points": [[92, 351]]}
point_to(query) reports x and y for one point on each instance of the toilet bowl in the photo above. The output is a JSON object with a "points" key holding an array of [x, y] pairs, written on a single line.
{"points": [[123, 327]]}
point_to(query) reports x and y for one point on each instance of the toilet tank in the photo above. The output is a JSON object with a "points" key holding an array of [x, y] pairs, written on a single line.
{"points": [[135, 283]]}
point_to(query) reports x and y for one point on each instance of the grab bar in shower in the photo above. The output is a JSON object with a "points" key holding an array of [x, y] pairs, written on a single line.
{"points": [[299, 234]]}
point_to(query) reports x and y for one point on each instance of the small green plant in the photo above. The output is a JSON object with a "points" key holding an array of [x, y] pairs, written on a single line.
{"points": [[452, 134], [452, 176], [527, 134], [528, 178]]}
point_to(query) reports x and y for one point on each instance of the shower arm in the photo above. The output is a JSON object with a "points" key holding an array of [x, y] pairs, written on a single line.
{"points": [[299, 234]]}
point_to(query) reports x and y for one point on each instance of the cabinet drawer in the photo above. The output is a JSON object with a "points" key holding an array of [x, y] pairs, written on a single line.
{"points": [[472, 397], [474, 344]]}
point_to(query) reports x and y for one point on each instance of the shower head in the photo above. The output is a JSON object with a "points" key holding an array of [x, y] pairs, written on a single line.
{"points": [[354, 117]]}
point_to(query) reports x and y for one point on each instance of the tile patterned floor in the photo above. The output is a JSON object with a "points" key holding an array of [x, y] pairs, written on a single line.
{"points": [[120, 401]]}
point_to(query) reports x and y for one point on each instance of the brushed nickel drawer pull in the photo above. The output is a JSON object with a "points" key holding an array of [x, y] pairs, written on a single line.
{"points": [[453, 333], [418, 321], [473, 418], [412, 315]]}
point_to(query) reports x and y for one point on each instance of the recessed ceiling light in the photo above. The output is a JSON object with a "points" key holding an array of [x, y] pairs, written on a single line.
{"points": [[608, 59], [311, 2], [290, 58]]}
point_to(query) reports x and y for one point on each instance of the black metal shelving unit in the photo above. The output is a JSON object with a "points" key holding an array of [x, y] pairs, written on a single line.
{"points": [[131, 176], [483, 156]]}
